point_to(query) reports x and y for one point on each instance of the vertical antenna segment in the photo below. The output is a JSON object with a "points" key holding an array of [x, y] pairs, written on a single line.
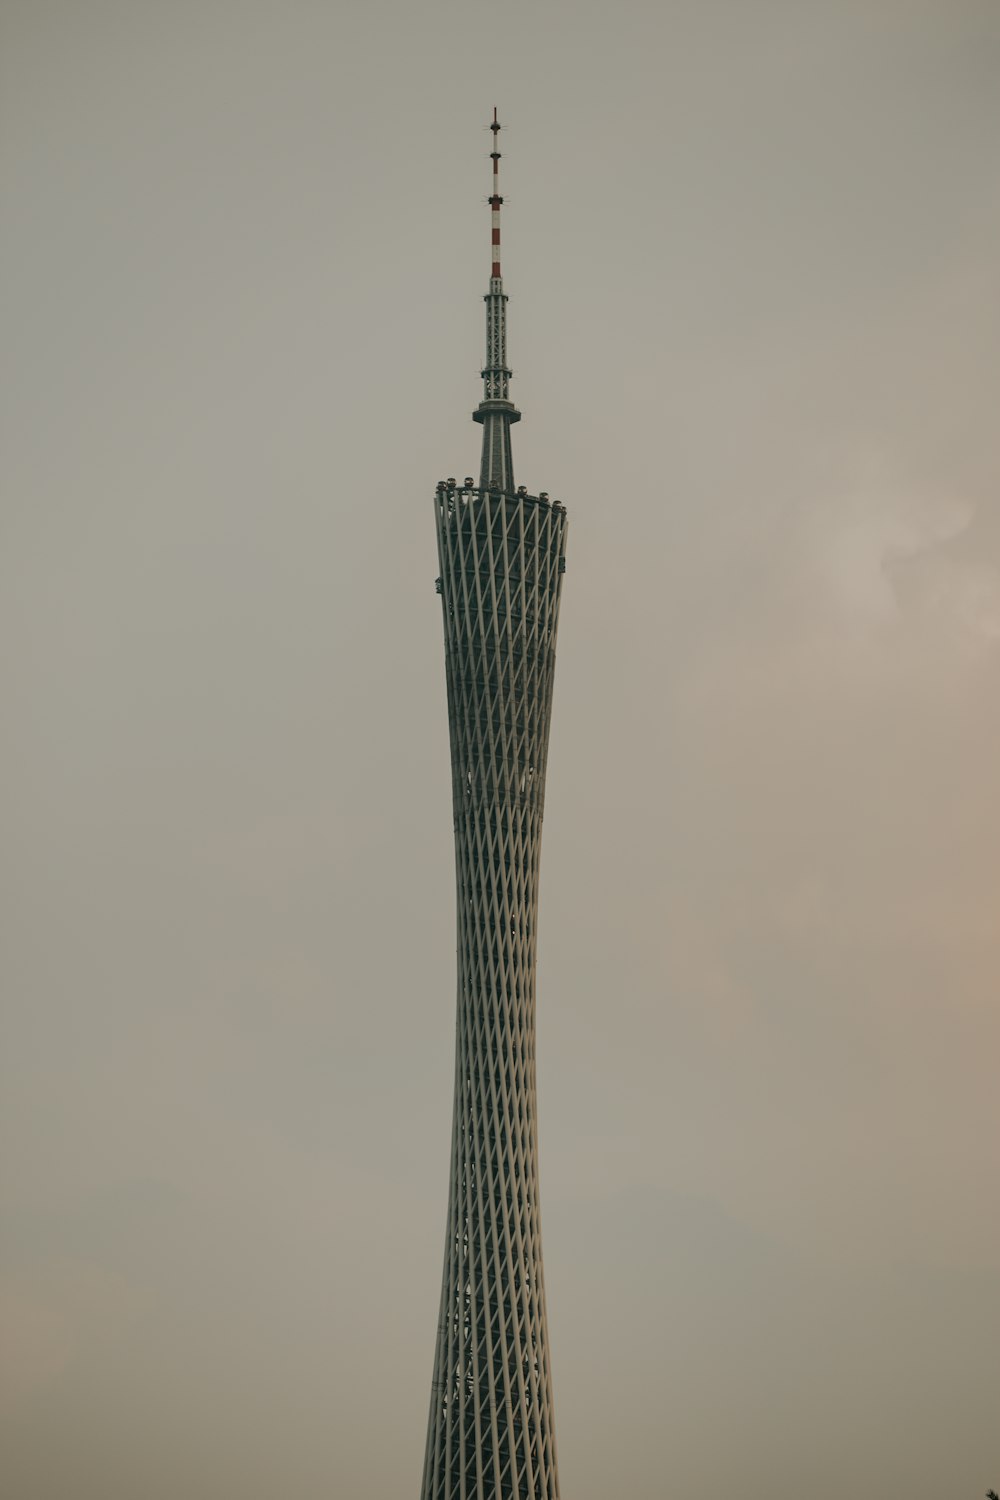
{"points": [[496, 411], [496, 200]]}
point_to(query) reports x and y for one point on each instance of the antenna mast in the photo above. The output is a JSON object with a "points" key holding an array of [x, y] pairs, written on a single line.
{"points": [[496, 411]]}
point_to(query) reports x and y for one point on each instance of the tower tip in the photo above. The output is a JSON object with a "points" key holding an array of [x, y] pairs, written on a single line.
{"points": [[495, 199]]}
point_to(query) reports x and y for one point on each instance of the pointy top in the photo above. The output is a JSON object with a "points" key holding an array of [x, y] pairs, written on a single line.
{"points": [[496, 411], [495, 199]]}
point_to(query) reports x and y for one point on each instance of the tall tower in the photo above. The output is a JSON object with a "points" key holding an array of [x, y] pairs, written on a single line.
{"points": [[490, 1435]]}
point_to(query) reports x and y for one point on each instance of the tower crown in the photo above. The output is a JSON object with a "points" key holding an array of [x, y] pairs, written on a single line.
{"points": [[496, 412]]}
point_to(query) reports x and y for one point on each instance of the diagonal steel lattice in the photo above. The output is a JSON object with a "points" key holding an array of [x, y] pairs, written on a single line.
{"points": [[490, 1433]]}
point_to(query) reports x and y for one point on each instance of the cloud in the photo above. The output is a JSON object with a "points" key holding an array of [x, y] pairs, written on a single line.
{"points": [[885, 557]]}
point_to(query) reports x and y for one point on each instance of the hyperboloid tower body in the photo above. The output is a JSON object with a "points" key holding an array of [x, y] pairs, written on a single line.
{"points": [[490, 1435]]}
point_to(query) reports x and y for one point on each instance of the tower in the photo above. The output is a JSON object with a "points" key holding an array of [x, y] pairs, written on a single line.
{"points": [[502, 554]]}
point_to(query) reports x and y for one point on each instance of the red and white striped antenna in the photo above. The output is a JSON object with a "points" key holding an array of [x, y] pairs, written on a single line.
{"points": [[496, 412], [496, 200]]}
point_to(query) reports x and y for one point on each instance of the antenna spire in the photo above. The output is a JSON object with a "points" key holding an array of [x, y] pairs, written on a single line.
{"points": [[496, 200], [496, 412]]}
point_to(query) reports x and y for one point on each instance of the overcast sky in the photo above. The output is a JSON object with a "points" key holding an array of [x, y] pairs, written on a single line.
{"points": [[751, 248]]}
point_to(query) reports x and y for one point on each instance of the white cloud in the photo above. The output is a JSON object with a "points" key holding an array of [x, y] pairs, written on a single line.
{"points": [[880, 556]]}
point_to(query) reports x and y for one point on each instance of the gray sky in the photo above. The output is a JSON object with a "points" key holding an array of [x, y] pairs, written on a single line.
{"points": [[751, 251]]}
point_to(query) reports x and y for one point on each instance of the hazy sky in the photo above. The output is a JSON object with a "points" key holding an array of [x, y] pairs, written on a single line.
{"points": [[751, 249]]}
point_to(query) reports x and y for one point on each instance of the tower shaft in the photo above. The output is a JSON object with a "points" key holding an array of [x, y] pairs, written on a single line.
{"points": [[490, 1431]]}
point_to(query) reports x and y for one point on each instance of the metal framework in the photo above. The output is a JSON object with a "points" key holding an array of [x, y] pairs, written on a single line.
{"points": [[502, 553]]}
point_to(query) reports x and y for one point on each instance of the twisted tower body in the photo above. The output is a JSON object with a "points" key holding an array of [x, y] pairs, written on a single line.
{"points": [[490, 1434]]}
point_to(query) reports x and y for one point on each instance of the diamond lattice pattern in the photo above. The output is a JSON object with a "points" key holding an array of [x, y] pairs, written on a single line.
{"points": [[490, 1435]]}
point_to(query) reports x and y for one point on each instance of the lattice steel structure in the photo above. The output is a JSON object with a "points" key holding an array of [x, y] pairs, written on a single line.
{"points": [[502, 551]]}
